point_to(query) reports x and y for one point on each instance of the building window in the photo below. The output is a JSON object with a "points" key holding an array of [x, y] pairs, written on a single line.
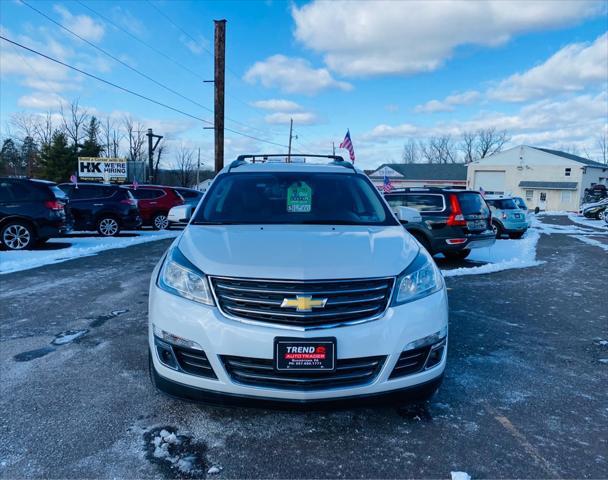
{"points": [[568, 171], [543, 196], [529, 195], [566, 196]]}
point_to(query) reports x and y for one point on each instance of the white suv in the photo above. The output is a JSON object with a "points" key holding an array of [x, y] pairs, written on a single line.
{"points": [[295, 283]]}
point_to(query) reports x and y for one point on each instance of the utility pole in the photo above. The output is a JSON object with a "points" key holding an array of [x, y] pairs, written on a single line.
{"points": [[220, 70], [198, 167], [290, 137], [333, 148], [151, 149]]}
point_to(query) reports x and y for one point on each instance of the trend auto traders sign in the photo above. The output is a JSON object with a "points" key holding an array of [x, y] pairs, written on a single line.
{"points": [[102, 169]]}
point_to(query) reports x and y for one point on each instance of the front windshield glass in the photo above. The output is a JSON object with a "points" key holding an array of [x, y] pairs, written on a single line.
{"points": [[293, 198]]}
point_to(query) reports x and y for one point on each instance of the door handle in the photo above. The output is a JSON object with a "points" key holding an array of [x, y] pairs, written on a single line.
{"points": [[153, 203], [98, 204]]}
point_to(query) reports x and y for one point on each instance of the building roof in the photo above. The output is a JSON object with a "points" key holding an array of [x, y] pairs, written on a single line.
{"points": [[426, 171], [570, 156], [549, 185]]}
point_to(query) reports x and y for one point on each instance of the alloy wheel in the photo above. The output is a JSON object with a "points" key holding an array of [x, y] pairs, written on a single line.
{"points": [[161, 222], [16, 237], [108, 227]]}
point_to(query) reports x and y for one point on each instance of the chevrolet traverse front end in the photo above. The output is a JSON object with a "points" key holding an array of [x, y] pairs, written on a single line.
{"points": [[295, 283]]}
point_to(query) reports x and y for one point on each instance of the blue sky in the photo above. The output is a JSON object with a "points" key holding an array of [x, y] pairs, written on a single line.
{"points": [[389, 71]]}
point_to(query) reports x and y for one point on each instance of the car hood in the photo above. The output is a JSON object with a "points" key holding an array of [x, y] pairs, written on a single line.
{"points": [[300, 252]]}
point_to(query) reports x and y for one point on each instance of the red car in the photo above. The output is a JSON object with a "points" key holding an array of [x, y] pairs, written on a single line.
{"points": [[154, 202]]}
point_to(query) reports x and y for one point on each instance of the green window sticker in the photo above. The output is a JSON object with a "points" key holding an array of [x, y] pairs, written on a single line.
{"points": [[299, 198]]}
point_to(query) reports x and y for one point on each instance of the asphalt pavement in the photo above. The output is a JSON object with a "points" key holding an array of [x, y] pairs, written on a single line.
{"points": [[525, 392]]}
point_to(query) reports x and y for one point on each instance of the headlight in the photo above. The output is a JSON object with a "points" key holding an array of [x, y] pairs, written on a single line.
{"points": [[420, 279], [180, 277]]}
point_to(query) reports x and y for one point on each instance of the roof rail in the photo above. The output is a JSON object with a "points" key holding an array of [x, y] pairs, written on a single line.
{"points": [[336, 159]]}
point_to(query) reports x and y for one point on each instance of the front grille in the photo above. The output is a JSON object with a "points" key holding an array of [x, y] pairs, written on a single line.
{"points": [[194, 362], [347, 300], [261, 373], [411, 361]]}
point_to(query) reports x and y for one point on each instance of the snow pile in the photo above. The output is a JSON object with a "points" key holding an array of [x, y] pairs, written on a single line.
{"points": [[15, 261], [69, 336], [167, 447], [588, 222], [503, 255]]}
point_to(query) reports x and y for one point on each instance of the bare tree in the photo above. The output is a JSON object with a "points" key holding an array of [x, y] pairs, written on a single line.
{"points": [[184, 161], [439, 149], [44, 128], [468, 146], [135, 135], [73, 122], [602, 145], [112, 137], [490, 141], [410, 152], [24, 123]]}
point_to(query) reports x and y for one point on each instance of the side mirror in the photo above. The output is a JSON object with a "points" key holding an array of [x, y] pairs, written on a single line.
{"points": [[408, 215], [180, 214]]}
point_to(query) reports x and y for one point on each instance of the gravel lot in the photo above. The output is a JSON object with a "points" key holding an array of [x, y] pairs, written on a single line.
{"points": [[524, 396]]}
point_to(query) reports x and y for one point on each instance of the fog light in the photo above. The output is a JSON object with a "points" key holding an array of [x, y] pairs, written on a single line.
{"points": [[175, 339], [429, 340], [165, 354], [436, 355]]}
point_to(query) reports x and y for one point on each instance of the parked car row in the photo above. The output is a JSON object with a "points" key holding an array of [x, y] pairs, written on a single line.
{"points": [[453, 222], [32, 211]]}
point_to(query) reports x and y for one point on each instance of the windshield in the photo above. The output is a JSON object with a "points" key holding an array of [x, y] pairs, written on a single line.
{"points": [[503, 204], [293, 198]]}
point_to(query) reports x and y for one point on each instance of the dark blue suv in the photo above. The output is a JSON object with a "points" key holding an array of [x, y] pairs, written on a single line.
{"points": [[105, 208]]}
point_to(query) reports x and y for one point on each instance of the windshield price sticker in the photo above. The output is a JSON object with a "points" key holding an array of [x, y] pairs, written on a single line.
{"points": [[299, 198]]}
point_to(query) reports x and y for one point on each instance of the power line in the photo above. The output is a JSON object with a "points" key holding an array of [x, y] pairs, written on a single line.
{"points": [[144, 97], [116, 59]]}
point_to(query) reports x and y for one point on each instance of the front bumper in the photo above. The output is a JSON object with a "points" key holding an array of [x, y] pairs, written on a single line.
{"points": [[220, 336]]}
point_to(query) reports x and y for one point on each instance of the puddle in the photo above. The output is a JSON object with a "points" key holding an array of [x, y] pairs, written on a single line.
{"points": [[68, 336], [33, 354], [176, 455], [99, 321]]}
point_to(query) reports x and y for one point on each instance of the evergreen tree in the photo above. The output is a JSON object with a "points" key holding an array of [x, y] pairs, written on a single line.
{"points": [[29, 155], [91, 146], [10, 160], [59, 159]]}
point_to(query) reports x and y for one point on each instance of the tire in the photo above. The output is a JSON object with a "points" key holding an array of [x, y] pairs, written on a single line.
{"points": [[498, 230], [160, 221], [601, 215], [108, 226], [458, 255], [516, 236], [17, 235]]}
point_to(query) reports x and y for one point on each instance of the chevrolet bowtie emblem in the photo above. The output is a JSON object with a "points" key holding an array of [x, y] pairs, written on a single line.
{"points": [[304, 303]]}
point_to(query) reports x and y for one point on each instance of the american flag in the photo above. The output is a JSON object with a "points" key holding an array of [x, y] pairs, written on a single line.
{"points": [[348, 144], [387, 186]]}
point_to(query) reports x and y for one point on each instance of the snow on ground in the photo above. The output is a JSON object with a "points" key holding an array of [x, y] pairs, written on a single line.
{"points": [[588, 222], [503, 255], [85, 246], [591, 241], [460, 476]]}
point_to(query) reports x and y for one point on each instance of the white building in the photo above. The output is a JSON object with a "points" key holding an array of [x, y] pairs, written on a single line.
{"points": [[548, 179]]}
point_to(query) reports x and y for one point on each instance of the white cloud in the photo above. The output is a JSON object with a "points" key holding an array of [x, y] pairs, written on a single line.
{"points": [[364, 38], [293, 75], [198, 47], [448, 104], [82, 25], [279, 105], [572, 68], [41, 101], [299, 118]]}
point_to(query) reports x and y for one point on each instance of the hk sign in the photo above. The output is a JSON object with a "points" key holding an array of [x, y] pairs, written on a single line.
{"points": [[102, 169]]}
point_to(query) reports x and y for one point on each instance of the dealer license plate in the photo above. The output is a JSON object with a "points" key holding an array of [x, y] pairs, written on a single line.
{"points": [[476, 225], [315, 354]]}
